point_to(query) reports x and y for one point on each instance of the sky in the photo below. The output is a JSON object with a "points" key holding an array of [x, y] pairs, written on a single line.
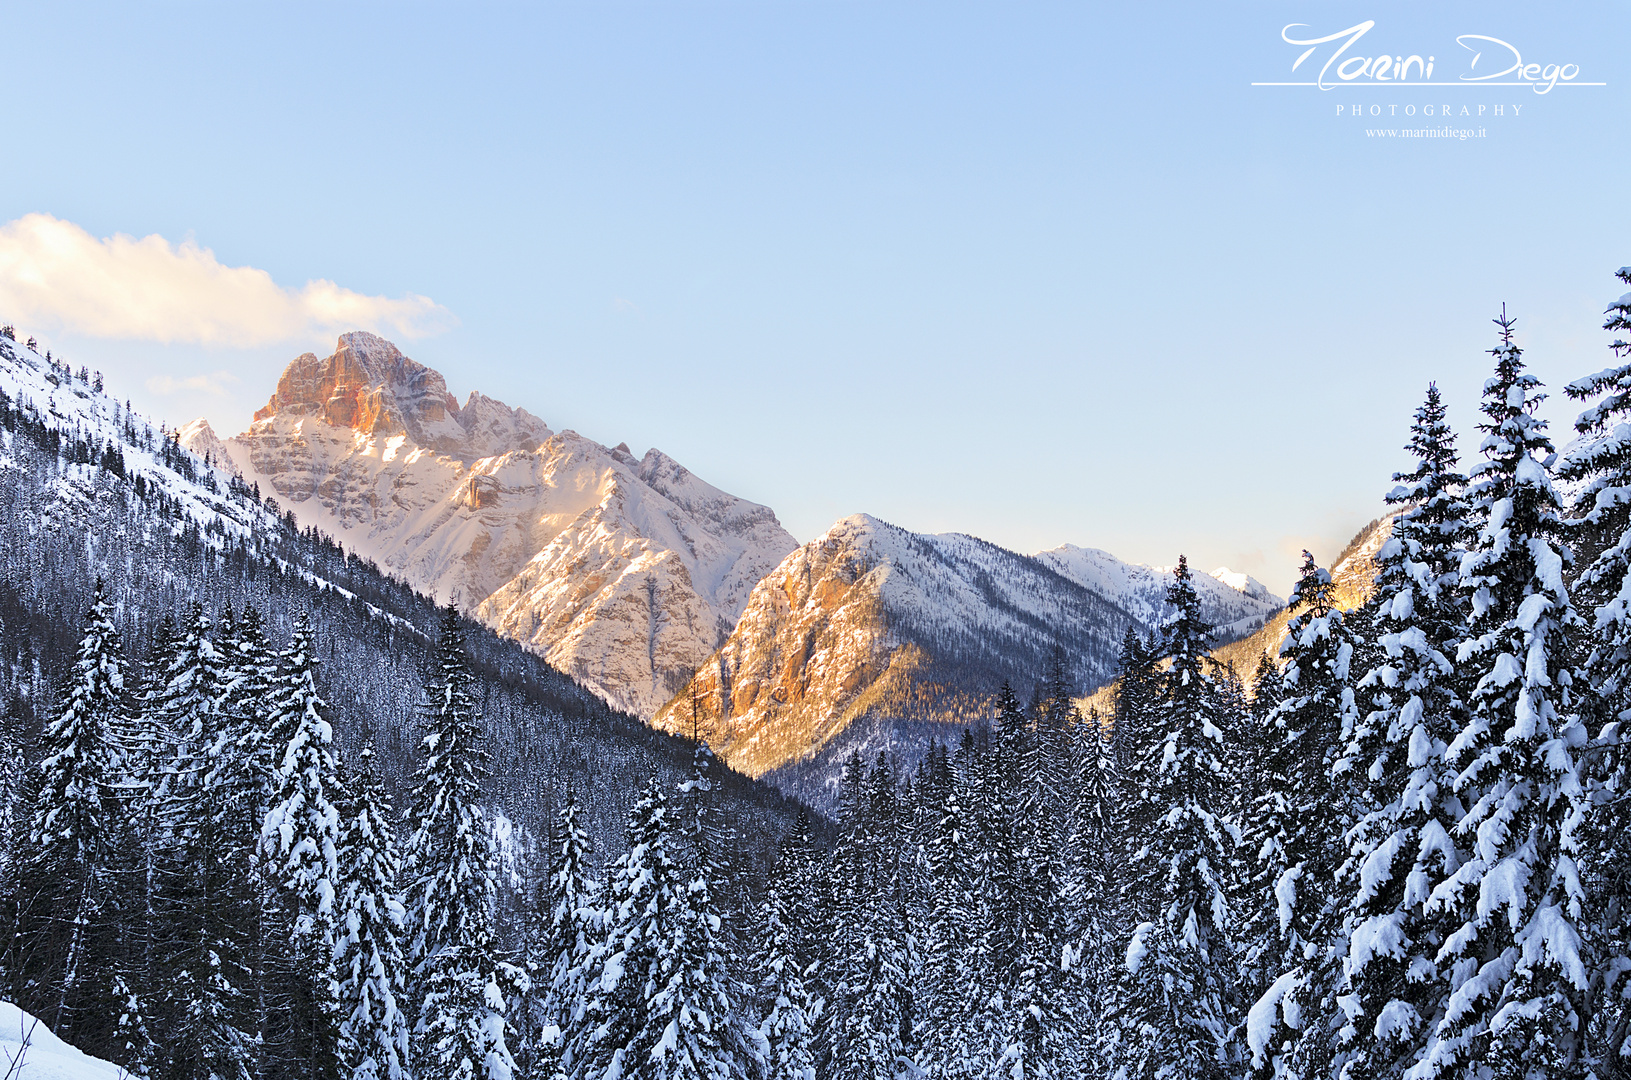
{"points": [[1042, 273]]}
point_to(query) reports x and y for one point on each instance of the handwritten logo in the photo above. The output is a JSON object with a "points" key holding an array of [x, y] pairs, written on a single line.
{"points": [[1341, 69]]}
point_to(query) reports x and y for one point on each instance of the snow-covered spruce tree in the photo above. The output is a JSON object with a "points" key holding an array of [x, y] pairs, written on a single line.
{"points": [[300, 838], [1048, 770], [870, 1019], [1293, 834], [459, 982], [788, 1028], [1175, 999], [1247, 752], [571, 948], [654, 1019], [1600, 460], [368, 959], [1518, 978], [1132, 737], [67, 932], [696, 1000], [949, 925], [1093, 903], [203, 902], [1137, 682], [244, 771], [1393, 990], [1032, 947], [13, 839]]}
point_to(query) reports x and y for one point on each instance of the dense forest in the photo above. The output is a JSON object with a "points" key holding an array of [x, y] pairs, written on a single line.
{"points": [[1396, 849]]}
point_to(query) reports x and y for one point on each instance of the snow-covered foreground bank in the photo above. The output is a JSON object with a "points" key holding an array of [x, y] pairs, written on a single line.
{"points": [[29, 1051]]}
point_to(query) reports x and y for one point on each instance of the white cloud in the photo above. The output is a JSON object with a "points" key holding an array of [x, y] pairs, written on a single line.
{"points": [[53, 273]]}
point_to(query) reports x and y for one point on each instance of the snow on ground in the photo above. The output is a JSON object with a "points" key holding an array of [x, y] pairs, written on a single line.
{"points": [[28, 1051]]}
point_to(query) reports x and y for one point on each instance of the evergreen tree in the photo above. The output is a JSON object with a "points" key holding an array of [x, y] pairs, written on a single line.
{"points": [[572, 948], [244, 774], [1175, 999], [1403, 843], [1094, 901], [68, 929], [1294, 831], [463, 985], [950, 923], [1518, 978], [630, 1037], [1600, 461], [300, 838], [702, 1031], [202, 901], [368, 952], [870, 1019]]}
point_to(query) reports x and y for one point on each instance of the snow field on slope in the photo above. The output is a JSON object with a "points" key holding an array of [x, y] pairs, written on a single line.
{"points": [[29, 1051]]}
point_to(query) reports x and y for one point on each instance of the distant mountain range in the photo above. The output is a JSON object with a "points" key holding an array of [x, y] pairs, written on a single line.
{"points": [[873, 638], [676, 601], [91, 491]]}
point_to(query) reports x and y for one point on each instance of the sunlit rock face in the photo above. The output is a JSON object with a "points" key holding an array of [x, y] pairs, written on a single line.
{"points": [[874, 639], [625, 572]]}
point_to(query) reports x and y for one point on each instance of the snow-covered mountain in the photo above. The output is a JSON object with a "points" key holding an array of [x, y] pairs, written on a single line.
{"points": [[871, 636], [624, 572], [1236, 604]]}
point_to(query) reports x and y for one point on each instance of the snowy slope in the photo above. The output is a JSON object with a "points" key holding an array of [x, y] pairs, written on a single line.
{"points": [[29, 1051], [624, 572], [203, 495], [1235, 603]]}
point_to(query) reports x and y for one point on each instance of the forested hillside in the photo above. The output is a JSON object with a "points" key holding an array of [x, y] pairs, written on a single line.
{"points": [[1403, 853]]}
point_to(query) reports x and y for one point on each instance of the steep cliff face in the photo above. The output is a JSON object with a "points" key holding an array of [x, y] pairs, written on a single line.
{"points": [[625, 572], [871, 637]]}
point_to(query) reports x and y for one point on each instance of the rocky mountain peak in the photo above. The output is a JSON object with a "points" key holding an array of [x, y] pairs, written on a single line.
{"points": [[625, 572], [370, 386]]}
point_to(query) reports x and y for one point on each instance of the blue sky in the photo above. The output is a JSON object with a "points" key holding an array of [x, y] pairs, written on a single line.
{"points": [[1041, 273]]}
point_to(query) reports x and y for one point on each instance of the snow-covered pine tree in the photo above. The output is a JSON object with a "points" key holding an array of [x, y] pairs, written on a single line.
{"points": [[1032, 942], [1094, 900], [300, 838], [1600, 460], [1293, 834], [1048, 772], [571, 949], [869, 1021], [1247, 751], [1175, 1001], [202, 901], [67, 933], [1519, 979], [788, 1028], [949, 925], [1132, 735], [13, 833], [640, 888], [244, 770], [700, 1032], [368, 957], [460, 983], [1393, 991], [1005, 847]]}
